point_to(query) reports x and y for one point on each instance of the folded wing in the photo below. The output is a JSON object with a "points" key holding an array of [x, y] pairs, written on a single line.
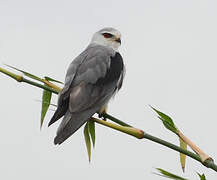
{"points": [[90, 83]]}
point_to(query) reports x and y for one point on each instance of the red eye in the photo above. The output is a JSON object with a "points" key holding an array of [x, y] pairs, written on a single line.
{"points": [[107, 35]]}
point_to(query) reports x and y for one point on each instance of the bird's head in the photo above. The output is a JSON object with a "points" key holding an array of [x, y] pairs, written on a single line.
{"points": [[109, 37]]}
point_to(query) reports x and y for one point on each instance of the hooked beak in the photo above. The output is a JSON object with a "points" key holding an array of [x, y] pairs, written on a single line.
{"points": [[118, 40]]}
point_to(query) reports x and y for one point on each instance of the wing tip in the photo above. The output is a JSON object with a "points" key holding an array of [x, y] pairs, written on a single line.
{"points": [[55, 117], [58, 141], [51, 122]]}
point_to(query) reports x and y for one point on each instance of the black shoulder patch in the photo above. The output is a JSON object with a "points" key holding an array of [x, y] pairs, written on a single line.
{"points": [[114, 71]]}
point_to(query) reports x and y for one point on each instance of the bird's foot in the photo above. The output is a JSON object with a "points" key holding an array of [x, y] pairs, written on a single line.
{"points": [[102, 111], [100, 115]]}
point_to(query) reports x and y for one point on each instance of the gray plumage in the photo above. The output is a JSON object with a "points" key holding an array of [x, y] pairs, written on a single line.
{"points": [[91, 80]]}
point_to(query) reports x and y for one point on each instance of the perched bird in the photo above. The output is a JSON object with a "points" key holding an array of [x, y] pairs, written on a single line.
{"points": [[91, 80]]}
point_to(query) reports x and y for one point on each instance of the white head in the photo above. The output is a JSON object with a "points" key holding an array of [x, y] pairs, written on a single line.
{"points": [[109, 37]]}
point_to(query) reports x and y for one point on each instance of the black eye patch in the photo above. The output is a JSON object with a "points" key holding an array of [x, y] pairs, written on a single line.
{"points": [[107, 35]]}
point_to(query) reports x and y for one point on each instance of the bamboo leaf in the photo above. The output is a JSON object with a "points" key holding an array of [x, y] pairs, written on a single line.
{"points": [[50, 104], [46, 97], [26, 73], [91, 126], [202, 176], [183, 156], [87, 140], [169, 175], [167, 121], [53, 80]]}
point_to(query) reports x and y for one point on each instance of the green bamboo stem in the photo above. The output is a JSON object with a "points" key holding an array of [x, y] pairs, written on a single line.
{"points": [[39, 85], [142, 135], [51, 85], [172, 146], [208, 163], [127, 130], [20, 78], [108, 116]]}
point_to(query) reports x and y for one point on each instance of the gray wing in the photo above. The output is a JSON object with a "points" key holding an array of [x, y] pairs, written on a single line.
{"points": [[63, 97], [84, 94], [82, 68]]}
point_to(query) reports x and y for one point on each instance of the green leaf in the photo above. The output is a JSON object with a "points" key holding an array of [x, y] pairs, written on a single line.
{"points": [[91, 126], [87, 140], [169, 175], [46, 97], [53, 80], [167, 121], [50, 104], [26, 73], [202, 176], [183, 156]]}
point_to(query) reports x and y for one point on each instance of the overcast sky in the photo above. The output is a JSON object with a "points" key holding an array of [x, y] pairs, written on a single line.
{"points": [[170, 51]]}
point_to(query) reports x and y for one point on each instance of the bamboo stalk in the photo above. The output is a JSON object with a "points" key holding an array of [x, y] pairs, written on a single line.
{"points": [[18, 78], [128, 129], [48, 83], [142, 135], [194, 147]]}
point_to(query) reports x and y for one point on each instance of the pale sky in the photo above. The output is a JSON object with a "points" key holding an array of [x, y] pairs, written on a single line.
{"points": [[169, 48]]}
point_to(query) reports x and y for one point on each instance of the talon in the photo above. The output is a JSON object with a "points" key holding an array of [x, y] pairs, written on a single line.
{"points": [[100, 115], [102, 111], [105, 119]]}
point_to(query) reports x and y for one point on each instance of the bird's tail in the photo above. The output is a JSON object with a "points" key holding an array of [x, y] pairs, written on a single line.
{"points": [[71, 123]]}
